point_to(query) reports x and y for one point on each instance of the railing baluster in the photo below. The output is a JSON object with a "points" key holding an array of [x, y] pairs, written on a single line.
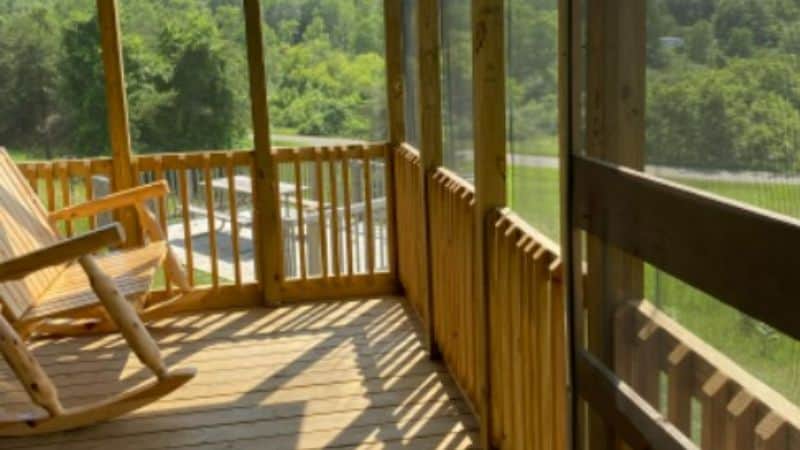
{"points": [[679, 389], [88, 189], [51, 191], [185, 215], [347, 214], [368, 218], [742, 419], [337, 269], [301, 233], [66, 197], [158, 173], [323, 232], [715, 400], [210, 215], [234, 212], [390, 172]]}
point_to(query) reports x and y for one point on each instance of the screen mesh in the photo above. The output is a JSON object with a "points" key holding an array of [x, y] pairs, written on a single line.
{"points": [[532, 111]]}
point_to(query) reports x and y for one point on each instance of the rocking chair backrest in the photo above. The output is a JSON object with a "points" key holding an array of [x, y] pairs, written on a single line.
{"points": [[24, 227]]}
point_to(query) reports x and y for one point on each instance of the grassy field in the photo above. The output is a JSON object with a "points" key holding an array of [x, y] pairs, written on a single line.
{"points": [[770, 356]]}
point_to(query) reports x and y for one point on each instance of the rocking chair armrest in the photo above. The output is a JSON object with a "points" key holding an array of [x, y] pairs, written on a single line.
{"points": [[61, 252], [128, 197]]}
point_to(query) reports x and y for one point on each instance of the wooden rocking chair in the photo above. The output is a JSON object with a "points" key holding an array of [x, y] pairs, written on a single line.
{"points": [[53, 416], [39, 280], [61, 289]]}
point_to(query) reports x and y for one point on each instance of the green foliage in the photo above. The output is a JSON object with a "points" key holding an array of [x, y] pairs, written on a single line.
{"points": [[700, 42], [742, 116], [28, 84], [83, 87], [728, 97], [186, 73]]}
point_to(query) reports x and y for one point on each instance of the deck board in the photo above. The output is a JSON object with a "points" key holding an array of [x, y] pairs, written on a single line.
{"points": [[329, 375]]}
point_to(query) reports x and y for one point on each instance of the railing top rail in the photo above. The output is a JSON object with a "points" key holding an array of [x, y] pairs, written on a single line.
{"points": [[409, 149], [520, 223], [451, 176]]}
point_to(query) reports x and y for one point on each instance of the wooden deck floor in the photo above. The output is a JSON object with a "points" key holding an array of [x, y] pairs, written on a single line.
{"points": [[333, 375]]}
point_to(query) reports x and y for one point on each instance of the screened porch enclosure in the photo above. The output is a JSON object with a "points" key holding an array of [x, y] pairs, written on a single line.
{"points": [[510, 256]]}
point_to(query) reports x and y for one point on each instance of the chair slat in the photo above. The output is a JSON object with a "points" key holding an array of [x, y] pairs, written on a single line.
{"points": [[24, 227]]}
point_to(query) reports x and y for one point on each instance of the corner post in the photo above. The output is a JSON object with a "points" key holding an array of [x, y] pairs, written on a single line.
{"points": [[571, 139], [489, 115], [269, 244], [430, 113], [395, 75], [615, 132], [123, 176], [395, 87]]}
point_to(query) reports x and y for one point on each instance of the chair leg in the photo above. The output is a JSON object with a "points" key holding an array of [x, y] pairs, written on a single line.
{"points": [[172, 266], [39, 386], [175, 271], [124, 316]]}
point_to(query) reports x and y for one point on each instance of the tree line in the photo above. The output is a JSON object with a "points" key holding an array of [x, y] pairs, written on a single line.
{"points": [[723, 89], [724, 84], [186, 73]]}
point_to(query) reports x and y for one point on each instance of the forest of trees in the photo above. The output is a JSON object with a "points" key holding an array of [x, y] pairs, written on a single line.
{"points": [[186, 73], [726, 93], [723, 76]]}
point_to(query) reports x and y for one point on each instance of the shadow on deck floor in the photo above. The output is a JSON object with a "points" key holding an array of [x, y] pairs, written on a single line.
{"points": [[328, 375]]}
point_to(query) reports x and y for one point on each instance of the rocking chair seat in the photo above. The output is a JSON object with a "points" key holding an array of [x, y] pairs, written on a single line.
{"points": [[132, 271]]}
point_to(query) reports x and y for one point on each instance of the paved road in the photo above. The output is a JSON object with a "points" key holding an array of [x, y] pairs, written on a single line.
{"points": [[315, 141], [744, 176]]}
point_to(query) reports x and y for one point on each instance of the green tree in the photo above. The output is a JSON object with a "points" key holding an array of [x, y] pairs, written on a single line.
{"points": [[29, 81], [700, 42], [197, 104], [83, 87]]}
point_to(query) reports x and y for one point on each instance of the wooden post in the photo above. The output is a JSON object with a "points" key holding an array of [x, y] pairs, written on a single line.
{"points": [[395, 102], [395, 74], [570, 139], [615, 132], [123, 176], [430, 110], [489, 115], [267, 226]]}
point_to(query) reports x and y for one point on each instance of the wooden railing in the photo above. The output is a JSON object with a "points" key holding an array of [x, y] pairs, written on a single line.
{"points": [[527, 337], [201, 220], [410, 223], [455, 310], [527, 357], [737, 410], [526, 328], [204, 211], [338, 246], [69, 182], [335, 204]]}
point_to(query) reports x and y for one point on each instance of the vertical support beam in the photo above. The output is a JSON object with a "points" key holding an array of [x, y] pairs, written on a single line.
{"points": [[615, 132], [269, 244], [123, 176], [395, 102], [569, 131], [489, 115], [395, 73], [430, 111]]}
